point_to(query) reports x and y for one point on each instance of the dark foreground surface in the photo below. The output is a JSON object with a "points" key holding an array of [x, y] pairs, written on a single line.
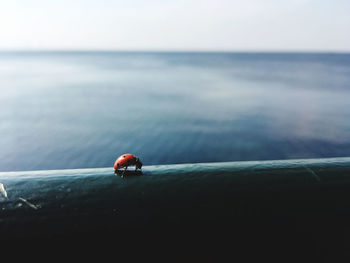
{"points": [[296, 210]]}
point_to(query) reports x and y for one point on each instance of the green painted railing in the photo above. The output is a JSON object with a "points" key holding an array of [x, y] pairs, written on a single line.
{"points": [[278, 198]]}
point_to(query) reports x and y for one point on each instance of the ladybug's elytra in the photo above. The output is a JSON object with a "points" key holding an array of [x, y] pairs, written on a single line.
{"points": [[126, 160]]}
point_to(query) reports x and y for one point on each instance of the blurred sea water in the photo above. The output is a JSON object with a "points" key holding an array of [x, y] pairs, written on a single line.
{"points": [[83, 109]]}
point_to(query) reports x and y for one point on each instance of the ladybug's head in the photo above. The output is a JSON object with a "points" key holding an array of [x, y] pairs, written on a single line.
{"points": [[138, 163]]}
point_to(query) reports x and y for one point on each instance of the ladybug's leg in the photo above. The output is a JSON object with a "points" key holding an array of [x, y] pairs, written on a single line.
{"points": [[124, 171]]}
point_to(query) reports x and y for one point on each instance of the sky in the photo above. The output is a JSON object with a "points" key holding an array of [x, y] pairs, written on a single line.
{"points": [[203, 25]]}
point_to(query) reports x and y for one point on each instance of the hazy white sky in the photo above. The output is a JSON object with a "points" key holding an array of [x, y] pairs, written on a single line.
{"points": [[246, 25]]}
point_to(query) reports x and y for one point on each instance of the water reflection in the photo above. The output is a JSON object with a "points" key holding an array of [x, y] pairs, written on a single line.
{"points": [[72, 110]]}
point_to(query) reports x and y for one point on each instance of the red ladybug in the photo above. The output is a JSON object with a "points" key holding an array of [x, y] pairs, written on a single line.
{"points": [[125, 160]]}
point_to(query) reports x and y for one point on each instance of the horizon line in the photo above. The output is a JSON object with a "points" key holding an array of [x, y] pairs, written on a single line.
{"points": [[83, 50]]}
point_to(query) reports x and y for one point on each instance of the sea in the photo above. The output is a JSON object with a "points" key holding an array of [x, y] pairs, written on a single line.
{"points": [[83, 109]]}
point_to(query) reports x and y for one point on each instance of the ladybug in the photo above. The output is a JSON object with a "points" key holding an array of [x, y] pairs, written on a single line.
{"points": [[126, 160]]}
